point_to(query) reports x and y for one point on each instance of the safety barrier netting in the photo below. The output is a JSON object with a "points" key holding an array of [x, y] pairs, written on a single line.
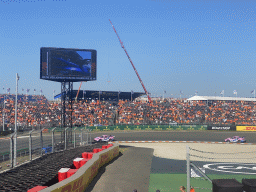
{"points": [[42, 171]]}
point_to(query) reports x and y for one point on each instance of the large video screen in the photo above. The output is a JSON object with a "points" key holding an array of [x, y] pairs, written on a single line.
{"points": [[61, 64]]}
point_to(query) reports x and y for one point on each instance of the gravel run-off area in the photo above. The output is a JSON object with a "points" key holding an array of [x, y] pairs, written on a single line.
{"points": [[210, 152]]}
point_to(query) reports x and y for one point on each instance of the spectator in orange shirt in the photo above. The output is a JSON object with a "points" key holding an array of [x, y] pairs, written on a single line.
{"points": [[192, 189], [182, 189]]}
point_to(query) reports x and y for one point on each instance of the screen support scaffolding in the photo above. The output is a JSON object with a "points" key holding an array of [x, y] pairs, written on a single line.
{"points": [[66, 101], [66, 111]]}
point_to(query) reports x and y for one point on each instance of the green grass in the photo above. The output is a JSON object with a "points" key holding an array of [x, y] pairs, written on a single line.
{"points": [[172, 182], [166, 182]]}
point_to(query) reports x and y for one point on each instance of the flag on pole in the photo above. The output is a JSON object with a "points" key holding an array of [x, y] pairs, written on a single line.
{"points": [[84, 91], [196, 92], [253, 92], [41, 91], [8, 90], [34, 89], [132, 91], [119, 92], [164, 91], [235, 92], [22, 89], [181, 92], [222, 92], [100, 92]]}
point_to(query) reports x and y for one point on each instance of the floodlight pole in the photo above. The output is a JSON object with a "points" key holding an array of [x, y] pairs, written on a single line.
{"points": [[3, 112], [15, 136]]}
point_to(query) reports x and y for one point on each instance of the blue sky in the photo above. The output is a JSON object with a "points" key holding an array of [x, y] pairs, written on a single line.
{"points": [[190, 45]]}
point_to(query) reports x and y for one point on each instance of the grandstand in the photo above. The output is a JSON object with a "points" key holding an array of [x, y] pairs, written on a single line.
{"points": [[90, 111]]}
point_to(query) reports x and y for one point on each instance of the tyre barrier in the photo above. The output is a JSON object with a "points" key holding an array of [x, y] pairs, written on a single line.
{"points": [[86, 169], [43, 171]]}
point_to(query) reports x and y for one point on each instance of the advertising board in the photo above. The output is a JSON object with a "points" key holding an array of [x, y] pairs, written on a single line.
{"points": [[246, 128], [69, 65], [230, 128]]}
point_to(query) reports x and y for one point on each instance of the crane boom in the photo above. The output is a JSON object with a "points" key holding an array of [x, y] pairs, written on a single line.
{"points": [[78, 90], [122, 45]]}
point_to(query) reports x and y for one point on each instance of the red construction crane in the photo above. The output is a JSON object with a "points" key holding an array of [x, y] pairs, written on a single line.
{"points": [[122, 45], [78, 90]]}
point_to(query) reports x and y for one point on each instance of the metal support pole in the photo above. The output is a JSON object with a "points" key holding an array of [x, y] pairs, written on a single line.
{"points": [[188, 169], [53, 140], [15, 136], [81, 136], [87, 130], [30, 145], [75, 137], [11, 150], [3, 112], [66, 138], [41, 141]]}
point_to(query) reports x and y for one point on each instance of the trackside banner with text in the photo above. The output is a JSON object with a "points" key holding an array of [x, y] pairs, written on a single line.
{"points": [[246, 128], [80, 184], [232, 128]]}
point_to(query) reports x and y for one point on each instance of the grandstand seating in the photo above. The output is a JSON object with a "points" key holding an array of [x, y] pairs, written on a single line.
{"points": [[39, 111]]}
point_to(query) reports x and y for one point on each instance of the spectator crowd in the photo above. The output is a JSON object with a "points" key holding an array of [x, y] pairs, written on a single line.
{"points": [[37, 110]]}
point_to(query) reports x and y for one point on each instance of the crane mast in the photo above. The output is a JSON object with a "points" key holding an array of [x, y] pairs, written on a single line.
{"points": [[78, 91], [122, 45]]}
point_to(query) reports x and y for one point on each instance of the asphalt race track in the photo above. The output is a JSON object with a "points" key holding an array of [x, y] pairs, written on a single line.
{"points": [[210, 136], [168, 174]]}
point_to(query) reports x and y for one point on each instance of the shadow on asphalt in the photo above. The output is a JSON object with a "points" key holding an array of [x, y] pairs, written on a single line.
{"points": [[100, 173], [102, 170]]}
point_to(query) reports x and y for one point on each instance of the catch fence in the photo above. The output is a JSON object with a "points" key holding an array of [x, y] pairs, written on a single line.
{"points": [[37, 143]]}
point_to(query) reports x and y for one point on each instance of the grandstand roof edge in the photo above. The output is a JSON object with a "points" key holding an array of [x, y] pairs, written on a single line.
{"points": [[218, 98]]}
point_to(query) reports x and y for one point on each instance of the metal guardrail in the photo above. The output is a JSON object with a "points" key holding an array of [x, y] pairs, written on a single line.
{"points": [[38, 143]]}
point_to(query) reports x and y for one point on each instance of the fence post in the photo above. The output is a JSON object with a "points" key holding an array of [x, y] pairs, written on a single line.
{"points": [[87, 130], [41, 140], [81, 136], [75, 137], [30, 145], [66, 138], [53, 140], [15, 149], [188, 169], [11, 150]]}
